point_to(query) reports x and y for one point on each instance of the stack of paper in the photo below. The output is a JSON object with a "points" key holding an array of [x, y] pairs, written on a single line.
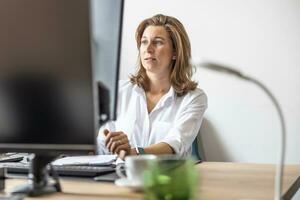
{"points": [[98, 160]]}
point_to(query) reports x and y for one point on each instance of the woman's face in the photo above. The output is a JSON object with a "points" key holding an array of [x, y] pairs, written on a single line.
{"points": [[156, 51]]}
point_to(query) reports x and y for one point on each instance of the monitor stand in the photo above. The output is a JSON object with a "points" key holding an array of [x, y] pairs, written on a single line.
{"points": [[38, 178]]}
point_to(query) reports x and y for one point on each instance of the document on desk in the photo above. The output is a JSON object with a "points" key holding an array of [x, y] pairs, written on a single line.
{"points": [[97, 160]]}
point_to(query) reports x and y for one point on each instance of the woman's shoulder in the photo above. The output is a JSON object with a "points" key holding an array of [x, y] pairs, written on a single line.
{"points": [[126, 86], [197, 94]]}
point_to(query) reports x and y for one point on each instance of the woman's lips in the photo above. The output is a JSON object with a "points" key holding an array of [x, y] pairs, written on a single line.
{"points": [[150, 59]]}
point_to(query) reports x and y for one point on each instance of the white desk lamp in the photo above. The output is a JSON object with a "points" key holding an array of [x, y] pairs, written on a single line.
{"points": [[280, 165]]}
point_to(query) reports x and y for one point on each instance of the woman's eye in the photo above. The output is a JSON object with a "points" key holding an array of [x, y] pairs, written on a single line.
{"points": [[144, 42], [158, 42]]}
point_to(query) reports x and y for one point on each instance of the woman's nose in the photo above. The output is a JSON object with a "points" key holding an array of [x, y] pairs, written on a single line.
{"points": [[149, 48]]}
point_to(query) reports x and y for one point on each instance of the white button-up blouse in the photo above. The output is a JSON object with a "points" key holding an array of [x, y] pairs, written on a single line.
{"points": [[174, 120]]}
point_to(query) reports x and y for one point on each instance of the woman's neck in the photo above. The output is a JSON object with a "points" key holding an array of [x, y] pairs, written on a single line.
{"points": [[159, 85], [157, 88]]}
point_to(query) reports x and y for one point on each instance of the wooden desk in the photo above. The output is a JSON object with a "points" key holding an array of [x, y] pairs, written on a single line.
{"points": [[217, 181], [245, 181]]}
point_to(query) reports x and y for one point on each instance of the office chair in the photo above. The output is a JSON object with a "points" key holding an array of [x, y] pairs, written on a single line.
{"points": [[197, 148]]}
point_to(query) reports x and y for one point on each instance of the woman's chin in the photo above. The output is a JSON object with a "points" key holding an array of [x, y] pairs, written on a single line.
{"points": [[150, 68]]}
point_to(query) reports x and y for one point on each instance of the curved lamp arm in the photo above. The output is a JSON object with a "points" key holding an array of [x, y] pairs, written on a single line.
{"points": [[280, 165]]}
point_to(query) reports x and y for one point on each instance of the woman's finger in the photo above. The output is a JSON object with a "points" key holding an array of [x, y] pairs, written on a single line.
{"points": [[109, 136], [110, 143], [105, 132], [115, 141], [114, 136], [118, 141], [114, 145], [126, 147], [122, 154]]}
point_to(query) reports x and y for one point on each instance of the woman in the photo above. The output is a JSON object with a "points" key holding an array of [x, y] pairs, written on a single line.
{"points": [[160, 110]]}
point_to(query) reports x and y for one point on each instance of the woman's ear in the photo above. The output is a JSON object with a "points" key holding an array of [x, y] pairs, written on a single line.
{"points": [[174, 56]]}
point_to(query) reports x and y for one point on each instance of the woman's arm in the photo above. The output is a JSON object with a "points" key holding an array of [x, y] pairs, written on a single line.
{"points": [[159, 148], [117, 142]]}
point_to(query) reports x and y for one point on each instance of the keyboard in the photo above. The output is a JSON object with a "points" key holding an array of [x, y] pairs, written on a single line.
{"points": [[11, 157], [66, 170]]}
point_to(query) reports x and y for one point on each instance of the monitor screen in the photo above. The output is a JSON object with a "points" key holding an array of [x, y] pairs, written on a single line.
{"points": [[59, 63]]}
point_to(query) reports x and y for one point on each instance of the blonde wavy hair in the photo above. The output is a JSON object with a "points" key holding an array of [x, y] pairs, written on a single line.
{"points": [[182, 70]]}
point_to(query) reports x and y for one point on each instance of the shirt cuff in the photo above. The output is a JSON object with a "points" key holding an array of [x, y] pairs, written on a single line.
{"points": [[175, 144]]}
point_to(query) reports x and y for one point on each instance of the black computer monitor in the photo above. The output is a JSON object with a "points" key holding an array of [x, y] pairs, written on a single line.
{"points": [[59, 65]]}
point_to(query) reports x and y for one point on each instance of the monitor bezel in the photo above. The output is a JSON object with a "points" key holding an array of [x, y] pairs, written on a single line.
{"points": [[57, 149]]}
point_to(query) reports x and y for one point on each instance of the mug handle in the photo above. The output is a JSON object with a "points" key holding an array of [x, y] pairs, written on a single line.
{"points": [[120, 169]]}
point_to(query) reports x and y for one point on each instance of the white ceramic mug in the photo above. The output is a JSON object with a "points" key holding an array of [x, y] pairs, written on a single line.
{"points": [[135, 167]]}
